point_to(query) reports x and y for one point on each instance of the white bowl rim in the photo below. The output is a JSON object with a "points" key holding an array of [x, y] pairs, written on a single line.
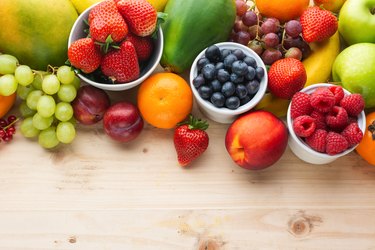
{"points": [[117, 86], [303, 144], [243, 108]]}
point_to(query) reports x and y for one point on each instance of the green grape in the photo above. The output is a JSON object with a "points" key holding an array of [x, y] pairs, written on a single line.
{"points": [[32, 98], [65, 132], [24, 75], [47, 138], [65, 74], [64, 111], [38, 79], [8, 64], [67, 93], [24, 91], [76, 82], [73, 121], [8, 85], [41, 122], [27, 128], [25, 110], [50, 84], [46, 106]]}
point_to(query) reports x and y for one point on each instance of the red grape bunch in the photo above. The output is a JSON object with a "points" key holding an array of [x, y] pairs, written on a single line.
{"points": [[270, 39]]}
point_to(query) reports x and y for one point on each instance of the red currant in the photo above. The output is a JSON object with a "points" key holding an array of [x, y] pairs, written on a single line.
{"points": [[3, 123], [11, 118]]}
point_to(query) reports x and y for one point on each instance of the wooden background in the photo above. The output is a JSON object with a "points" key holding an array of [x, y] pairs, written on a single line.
{"points": [[100, 194]]}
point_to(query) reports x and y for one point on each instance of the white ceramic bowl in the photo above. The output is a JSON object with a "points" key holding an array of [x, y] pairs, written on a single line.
{"points": [[302, 150], [77, 32], [225, 115]]}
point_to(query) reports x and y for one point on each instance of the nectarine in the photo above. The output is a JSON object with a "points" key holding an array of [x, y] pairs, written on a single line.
{"points": [[256, 140]]}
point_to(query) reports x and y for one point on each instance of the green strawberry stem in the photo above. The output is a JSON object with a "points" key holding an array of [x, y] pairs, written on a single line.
{"points": [[195, 123], [161, 17]]}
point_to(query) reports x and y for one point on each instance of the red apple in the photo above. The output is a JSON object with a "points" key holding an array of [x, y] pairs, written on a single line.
{"points": [[90, 104], [123, 122], [256, 140]]}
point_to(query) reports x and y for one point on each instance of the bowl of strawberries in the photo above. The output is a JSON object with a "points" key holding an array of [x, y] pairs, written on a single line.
{"points": [[325, 122], [115, 45]]}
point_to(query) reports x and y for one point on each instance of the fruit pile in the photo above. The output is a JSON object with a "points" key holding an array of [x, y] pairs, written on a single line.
{"points": [[326, 119], [273, 39], [119, 40], [227, 78]]}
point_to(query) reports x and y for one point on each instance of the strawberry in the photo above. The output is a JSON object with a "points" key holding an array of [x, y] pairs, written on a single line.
{"points": [[85, 55], [190, 140], [105, 20], [317, 24], [121, 65], [140, 15], [143, 46], [286, 77]]}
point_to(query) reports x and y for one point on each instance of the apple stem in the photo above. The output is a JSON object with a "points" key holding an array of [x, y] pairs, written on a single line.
{"points": [[372, 10]]}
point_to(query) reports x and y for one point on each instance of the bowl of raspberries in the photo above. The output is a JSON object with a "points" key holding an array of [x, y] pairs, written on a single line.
{"points": [[325, 122], [227, 79], [115, 45]]}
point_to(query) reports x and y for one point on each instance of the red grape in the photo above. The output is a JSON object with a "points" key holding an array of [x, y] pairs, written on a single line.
{"points": [[250, 18], [241, 7], [242, 37], [271, 40], [270, 56], [293, 28], [294, 53]]}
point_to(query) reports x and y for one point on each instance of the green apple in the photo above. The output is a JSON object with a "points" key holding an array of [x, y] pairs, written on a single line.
{"points": [[357, 21], [354, 68]]}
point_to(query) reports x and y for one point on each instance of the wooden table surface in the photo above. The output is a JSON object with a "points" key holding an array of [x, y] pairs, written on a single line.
{"points": [[99, 194]]}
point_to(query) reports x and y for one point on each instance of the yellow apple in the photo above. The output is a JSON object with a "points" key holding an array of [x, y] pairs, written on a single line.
{"points": [[331, 5]]}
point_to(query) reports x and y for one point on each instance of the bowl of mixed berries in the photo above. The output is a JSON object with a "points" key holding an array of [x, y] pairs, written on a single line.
{"points": [[227, 79], [116, 45], [325, 122]]}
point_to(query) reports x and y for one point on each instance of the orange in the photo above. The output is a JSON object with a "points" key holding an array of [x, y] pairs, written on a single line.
{"points": [[283, 10], [6, 103], [366, 147], [164, 99]]}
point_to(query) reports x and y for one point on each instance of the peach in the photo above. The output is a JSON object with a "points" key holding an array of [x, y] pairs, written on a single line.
{"points": [[256, 140]]}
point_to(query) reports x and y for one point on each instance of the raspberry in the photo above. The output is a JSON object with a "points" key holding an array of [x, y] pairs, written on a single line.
{"points": [[336, 143], [317, 140], [353, 134], [320, 119], [300, 105], [353, 119], [353, 104], [337, 118], [338, 92], [304, 125], [322, 99]]}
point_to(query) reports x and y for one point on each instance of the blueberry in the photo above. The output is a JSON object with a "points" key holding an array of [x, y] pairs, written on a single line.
{"points": [[213, 53], [223, 75], [198, 81], [209, 71], [232, 102], [219, 65], [236, 78], [259, 73], [201, 62], [250, 75], [224, 53], [215, 85], [252, 87], [205, 91], [250, 61], [246, 99], [228, 89], [239, 68], [239, 54], [218, 99], [241, 91], [229, 60]]}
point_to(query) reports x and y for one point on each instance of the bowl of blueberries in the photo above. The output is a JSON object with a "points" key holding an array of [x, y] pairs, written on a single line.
{"points": [[227, 80]]}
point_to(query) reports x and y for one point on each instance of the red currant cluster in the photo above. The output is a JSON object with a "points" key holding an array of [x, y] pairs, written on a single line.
{"points": [[7, 128]]}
